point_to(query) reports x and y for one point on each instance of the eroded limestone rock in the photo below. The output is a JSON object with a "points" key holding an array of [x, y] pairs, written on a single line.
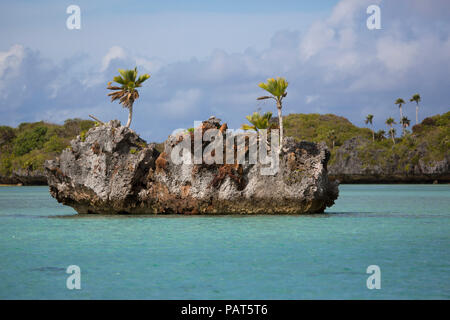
{"points": [[113, 171]]}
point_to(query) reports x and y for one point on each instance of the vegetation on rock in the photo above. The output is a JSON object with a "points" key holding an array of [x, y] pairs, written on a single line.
{"points": [[127, 92], [390, 123], [429, 141], [416, 98], [315, 127], [277, 89], [258, 121], [369, 120]]}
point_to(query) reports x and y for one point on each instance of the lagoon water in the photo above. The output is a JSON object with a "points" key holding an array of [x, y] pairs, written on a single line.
{"points": [[404, 229]]}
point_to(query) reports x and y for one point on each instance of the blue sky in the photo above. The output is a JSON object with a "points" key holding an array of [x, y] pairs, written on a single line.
{"points": [[207, 57]]}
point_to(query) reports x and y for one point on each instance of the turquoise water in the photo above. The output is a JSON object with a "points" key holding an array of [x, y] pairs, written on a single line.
{"points": [[404, 229]]}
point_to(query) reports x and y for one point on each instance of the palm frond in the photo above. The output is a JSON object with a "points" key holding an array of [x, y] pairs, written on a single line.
{"points": [[126, 93], [276, 87], [399, 101]]}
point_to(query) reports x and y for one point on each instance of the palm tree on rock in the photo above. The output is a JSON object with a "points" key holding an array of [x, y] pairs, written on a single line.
{"points": [[390, 122], [258, 121], [380, 135], [400, 102], [127, 93], [416, 98], [405, 122], [392, 133], [332, 136], [369, 119], [277, 89]]}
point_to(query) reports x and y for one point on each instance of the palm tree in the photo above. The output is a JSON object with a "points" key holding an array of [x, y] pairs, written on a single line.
{"points": [[380, 135], [332, 136], [392, 133], [369, 119], [258, 121], [400, 102], [277, 89], [390, 122], [405, 122], [416, 98], [127, 93]]}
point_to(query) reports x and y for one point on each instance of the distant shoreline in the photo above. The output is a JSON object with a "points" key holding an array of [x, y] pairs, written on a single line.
{"points": [[397, 179]]}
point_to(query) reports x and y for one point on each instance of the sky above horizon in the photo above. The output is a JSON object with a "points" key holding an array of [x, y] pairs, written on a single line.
{"points": [[207, 57]]}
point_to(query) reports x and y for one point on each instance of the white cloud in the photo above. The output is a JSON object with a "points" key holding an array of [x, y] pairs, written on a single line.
{"points": [[345, 11], [310, 99], [318, 37], [149, 64], [182, 103], [114, 52], [396, 55], [11, 59], [10, 62]]}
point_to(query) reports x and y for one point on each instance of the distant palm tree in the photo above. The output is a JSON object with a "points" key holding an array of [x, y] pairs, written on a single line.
{"points": [[405, 122], [392, 133], [400, 102], [380, 135], [277, 89], [332, 136], [369, 119], [416, 98], [390, 122], [126, 93]]}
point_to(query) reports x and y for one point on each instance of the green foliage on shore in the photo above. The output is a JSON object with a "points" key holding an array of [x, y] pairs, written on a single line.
{"points": [[435, 132], [30, 144], [317, 127], [428, 141]]}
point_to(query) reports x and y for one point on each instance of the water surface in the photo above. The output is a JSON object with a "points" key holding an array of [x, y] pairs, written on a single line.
{"points": [[404, 229]]}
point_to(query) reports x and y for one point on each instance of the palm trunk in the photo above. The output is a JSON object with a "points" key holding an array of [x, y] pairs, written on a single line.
{"points": [[401, 113], [130, 116], [280, 120], [392, 135], [417, 114]]}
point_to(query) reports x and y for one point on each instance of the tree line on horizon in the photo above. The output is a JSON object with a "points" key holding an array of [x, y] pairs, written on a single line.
{"points": [[390, 122]]}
